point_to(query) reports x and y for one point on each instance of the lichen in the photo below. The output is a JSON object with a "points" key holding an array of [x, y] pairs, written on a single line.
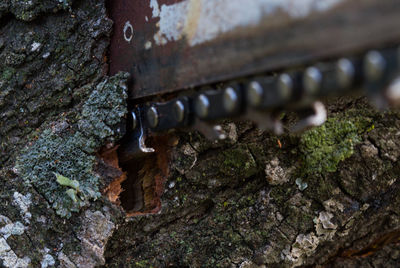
{"points": [[9, 258], [23, 202], [48, 261], [40, 72], [29, 10], [68, 149], [305, 245], [275, 174], [324, 147], [301, 184]]}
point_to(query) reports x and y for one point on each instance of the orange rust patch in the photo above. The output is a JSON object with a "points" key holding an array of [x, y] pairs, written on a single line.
{"points": [[114, 189]]}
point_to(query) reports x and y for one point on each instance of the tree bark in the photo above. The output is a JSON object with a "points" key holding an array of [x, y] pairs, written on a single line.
{"points": [[326, 197]]}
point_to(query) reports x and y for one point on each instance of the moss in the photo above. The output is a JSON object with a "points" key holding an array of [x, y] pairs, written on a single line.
{"points": [[321, 187], [238, 162], [143, 263], [280, 194], [7, 73], [324, 147], [68, 149]]}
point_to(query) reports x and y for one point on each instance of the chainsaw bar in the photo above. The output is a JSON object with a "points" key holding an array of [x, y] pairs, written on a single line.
{"points": [[263, 98], [174, 45]]}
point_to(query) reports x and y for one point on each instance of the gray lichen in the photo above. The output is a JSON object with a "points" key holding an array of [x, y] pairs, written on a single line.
{"points": [[275, 174], [8, 258], [67, 148], [46, 65], [29, 10], [53, 96]]}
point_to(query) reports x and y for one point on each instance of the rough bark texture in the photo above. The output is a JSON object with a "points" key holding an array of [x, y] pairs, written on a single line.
{"points": [[329, 196]]}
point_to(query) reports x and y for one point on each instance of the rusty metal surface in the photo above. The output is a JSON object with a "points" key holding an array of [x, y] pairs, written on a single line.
{"points": [[174, 44]]}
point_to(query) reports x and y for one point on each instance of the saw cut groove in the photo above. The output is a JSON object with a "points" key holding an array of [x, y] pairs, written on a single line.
{"points": [[145, 177]]}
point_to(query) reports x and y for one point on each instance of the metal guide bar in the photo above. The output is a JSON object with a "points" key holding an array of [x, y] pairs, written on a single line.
{"points": [[262, 98], [170, 45]]}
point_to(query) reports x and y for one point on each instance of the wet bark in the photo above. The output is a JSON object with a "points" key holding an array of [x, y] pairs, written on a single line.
{"points": [[329, 196]]}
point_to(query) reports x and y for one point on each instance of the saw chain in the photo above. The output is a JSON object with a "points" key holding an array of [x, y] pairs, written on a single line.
{"points": [[262, 99]]}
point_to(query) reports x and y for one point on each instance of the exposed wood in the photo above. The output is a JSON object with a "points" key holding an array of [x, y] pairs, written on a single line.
{"points": [[278, 41]]}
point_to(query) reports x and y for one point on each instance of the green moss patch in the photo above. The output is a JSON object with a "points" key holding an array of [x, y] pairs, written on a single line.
{"points": [[238, 162], [324, 147], [7, 73]]}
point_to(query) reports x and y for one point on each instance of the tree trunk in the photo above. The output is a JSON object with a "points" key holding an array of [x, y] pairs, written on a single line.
{"points": [[329, 196]]}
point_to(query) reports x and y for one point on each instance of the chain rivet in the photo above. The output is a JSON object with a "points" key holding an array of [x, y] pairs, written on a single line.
{"points": [[202, 106], [134, 120], [345, 73], [312, 80], [152, 117], [230, 100], [254, 94], [179, 111], [285, 85], [374, 66]]}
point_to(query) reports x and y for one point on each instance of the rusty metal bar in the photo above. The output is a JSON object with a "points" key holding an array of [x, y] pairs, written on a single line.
{"points": [[170, 45]]}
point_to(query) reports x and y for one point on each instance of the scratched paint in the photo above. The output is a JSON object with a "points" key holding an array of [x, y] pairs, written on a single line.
{"points": [[172, 22], [200, 21], [156, 9]]}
